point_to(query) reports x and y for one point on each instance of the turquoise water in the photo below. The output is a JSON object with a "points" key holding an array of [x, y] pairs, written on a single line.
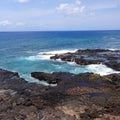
{"points": [[22, 51]]}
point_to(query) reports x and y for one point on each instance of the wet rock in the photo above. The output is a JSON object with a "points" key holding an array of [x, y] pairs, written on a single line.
{"points": [[114, 64], [53, 78], [69, 80], [95, 56], [114, 78], [8, 76]]}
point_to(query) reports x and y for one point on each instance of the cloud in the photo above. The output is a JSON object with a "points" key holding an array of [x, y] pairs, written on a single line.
{"points": [[22, 1], [5, 23], [73, 8]]}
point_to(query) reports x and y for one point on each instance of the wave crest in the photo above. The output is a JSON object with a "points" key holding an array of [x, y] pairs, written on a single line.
{"points": [[101, 69], [47, 55]]}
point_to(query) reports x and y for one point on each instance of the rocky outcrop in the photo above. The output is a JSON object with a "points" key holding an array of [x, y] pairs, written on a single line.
{"points": [[115, 78], [8, 76], [70, 79], [96, 56], [20, 100], [84, 96], [52, 78]]}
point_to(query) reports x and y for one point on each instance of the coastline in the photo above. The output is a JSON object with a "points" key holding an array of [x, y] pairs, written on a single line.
{"points": [[76, 97]]}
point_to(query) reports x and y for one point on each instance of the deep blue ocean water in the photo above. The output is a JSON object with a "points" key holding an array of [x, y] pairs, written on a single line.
{"points": [[22, 51]]}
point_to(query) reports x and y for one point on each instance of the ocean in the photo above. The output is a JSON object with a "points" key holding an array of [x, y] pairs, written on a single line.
{"points": [[23, 51]]}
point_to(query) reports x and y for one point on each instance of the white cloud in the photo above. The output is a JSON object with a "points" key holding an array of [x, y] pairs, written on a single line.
{"points": [[22, 1], [5, 23], [73, 8]]}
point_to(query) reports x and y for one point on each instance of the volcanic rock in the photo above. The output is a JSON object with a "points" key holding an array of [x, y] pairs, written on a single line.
{"points": [[95, 56]]}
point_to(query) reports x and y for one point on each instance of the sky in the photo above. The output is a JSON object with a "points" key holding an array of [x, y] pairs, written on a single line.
{"points": [[51, 15]]}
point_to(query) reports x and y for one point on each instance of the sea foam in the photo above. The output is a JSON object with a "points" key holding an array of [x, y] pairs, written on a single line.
{"points": [[101, 69], [47, 55], [95, 68]]}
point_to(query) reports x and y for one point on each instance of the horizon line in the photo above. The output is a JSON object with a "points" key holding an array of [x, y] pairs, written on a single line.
{"points": [[59, 30]]}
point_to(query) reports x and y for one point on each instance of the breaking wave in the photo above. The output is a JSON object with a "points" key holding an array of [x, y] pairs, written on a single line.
{"points": [[47, 55]]}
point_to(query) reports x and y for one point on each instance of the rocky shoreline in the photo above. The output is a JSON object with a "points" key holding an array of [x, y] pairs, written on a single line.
{"points": [[85, 96], [110, 58]]}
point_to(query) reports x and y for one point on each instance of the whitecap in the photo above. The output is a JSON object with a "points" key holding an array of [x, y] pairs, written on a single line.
{"points": [[113, 49], [73, 63], [47, 55], [101, 69], [58, 52]]}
